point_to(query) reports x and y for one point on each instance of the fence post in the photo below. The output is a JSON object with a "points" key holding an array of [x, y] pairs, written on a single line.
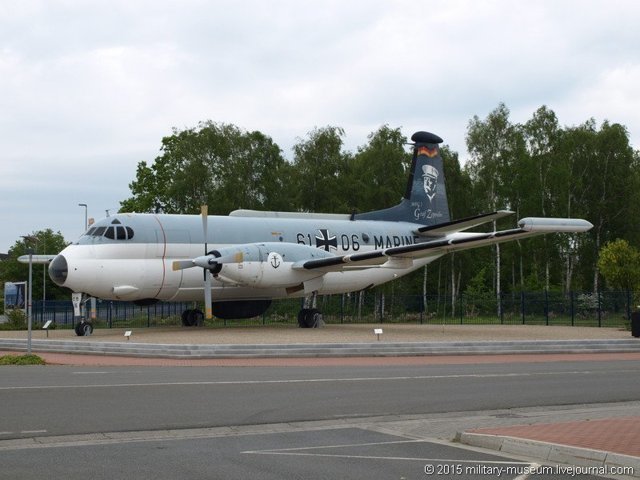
{"points": [[573, 309], [501, 307], [629, 306], [599, 310], [522, 305], [546, 306]]}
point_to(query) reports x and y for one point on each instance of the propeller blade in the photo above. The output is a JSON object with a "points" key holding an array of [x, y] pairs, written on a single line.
{"points": [[208, 314], [204, 211], [182, 264], [207, 261]]}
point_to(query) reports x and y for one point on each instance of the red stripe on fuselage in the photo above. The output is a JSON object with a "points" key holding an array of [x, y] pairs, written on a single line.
{"points": [[164, 254]]}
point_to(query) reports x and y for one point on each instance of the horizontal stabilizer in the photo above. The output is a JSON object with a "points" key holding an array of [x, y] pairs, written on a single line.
{"points": [[462, 224]]}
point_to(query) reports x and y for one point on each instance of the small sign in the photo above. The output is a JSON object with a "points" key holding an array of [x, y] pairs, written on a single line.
{"points": [[47, 325], [377, 332], [128, 334], [76, 299]]}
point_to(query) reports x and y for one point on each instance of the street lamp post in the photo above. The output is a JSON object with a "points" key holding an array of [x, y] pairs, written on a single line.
{"points": [[30, 301], [85, 216], [29, 238]]}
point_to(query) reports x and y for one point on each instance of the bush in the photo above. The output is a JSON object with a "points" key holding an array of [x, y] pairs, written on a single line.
{"points": [[16, 320], [21, 360]]}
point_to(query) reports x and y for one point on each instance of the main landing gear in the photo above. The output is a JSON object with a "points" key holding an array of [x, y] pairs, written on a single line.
{"points": [[192, 317], [309, 316], [84, 328]]}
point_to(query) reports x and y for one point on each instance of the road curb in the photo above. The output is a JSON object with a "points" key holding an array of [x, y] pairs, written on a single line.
{"points": [[551, 452], [377, 349]]}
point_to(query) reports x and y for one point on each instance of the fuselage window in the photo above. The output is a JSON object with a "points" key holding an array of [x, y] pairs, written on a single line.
{"points": [[129, 232], [99, 231], [110, 233], [90, 231], [121, 233]]}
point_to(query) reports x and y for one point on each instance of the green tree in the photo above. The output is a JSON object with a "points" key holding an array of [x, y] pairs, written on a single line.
{"points": [[605, 191], [215, 164], [379, 170], [619, 264], [496, 147], [43, 242], [321, 172]]}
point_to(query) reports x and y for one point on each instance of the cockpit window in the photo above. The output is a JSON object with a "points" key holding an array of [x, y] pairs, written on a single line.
{"points": [[114, 232]]}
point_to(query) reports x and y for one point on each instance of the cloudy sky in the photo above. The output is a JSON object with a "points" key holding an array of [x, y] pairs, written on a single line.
{"points": [[88, 88]]}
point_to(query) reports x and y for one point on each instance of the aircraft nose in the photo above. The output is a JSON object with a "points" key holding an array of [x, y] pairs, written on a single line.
{"points": [[58, 270]]}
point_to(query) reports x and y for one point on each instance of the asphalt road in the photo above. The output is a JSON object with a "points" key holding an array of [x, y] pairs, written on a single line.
{"points": [[71, 401]]}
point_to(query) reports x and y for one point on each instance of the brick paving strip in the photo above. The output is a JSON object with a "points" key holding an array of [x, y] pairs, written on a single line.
{"points": [[619, 435]]}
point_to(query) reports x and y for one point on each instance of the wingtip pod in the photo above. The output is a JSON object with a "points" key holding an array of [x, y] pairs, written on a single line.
{"points": [[37, 259], [544, 225]]}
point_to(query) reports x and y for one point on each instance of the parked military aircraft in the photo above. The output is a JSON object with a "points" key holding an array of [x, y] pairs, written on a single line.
{"points": [[250, 258]]}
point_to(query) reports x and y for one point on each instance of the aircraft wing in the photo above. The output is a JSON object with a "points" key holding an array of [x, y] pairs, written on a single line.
{"points": [[462, 224], [398, 256]]}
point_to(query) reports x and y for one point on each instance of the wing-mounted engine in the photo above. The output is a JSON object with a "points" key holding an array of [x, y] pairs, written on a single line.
{"points": [[260, 265]]}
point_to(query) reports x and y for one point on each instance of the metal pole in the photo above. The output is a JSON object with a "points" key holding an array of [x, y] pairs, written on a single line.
{"points": [[29, 303], [85, 216], [44, 283]]}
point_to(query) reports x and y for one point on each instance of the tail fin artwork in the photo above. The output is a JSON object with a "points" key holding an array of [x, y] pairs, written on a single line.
{"points": [[425, 199]]}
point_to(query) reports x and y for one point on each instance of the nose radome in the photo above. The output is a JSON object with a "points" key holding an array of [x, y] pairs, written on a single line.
{"points": [[58, 270]]}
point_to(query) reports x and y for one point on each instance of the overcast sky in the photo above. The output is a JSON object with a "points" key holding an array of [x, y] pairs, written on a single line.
{"points": [[89, 88]]}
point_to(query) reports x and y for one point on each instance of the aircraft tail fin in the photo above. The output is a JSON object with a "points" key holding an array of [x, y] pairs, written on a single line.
{"points": [[425, 199]]}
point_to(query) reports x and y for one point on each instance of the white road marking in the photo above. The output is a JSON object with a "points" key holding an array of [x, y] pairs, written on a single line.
{"points": [[308, 380], [299, 451], [30, 432]]}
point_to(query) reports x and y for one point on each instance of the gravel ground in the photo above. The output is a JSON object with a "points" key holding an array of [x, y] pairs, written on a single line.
{"points": [[361, 333]]}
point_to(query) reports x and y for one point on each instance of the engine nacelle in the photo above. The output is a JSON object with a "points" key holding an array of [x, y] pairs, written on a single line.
{"points": [[266, 265]]}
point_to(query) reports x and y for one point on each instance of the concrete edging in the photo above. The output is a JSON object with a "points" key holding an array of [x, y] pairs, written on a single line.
{"points": [[550, 452], [377, 349]]}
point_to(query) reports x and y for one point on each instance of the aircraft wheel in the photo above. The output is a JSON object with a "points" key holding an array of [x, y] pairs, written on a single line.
{"points": [[302, 318], [83, 329], [314, 318], [192, 318], [197, 318], [310, 318]]}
